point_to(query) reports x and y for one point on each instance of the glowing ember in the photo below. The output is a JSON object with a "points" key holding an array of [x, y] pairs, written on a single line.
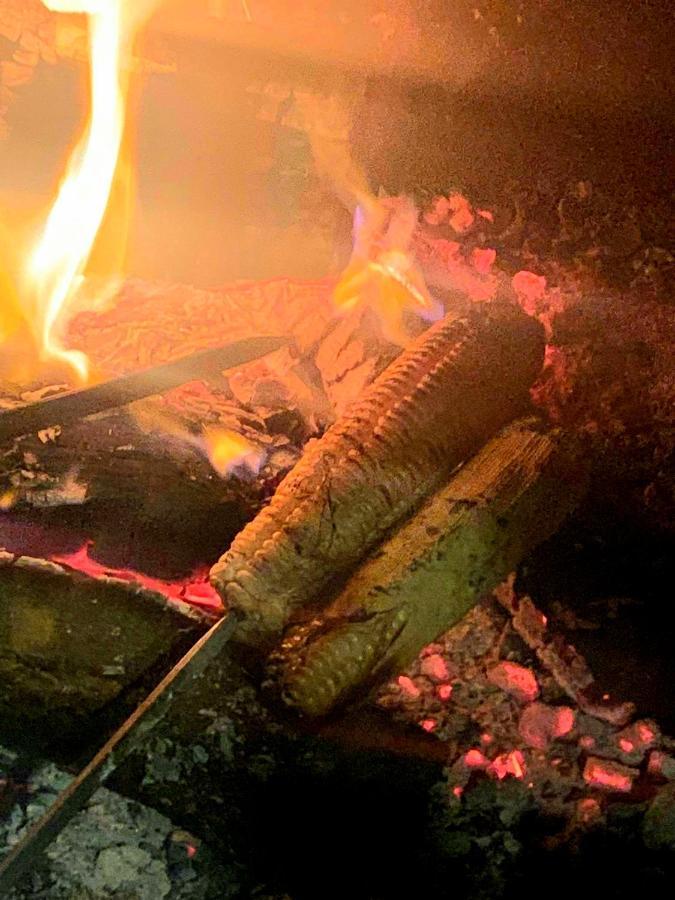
{"points": [[408, 686], [564, 722], [474, 759], [646, 732], [530, 289], [638, 737], [53, 270], [483, 259], [515, 679], [460, 216], [196, 591], [512, 763], [608, 775], [434, 667], [444, 691], [540, 724], [588, 810], [438, 213], [429, 725]]}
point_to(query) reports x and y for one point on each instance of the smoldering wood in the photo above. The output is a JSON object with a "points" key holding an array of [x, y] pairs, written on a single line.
{"points": [[513, 494], [70, 644], [109, 477], [434, 406]]}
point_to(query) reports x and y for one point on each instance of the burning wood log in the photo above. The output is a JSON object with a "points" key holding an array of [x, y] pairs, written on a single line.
{"points": [[70, 643], [435, 405], [509, 497], [163, 485]]}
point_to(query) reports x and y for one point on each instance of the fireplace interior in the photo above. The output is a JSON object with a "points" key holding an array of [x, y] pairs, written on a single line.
{"points": [[379, 610]]}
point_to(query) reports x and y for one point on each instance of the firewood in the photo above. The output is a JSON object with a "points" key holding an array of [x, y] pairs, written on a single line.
{"points": [[352, 353], [509, 497], [434, 406], [110, 479], [70, 643]]}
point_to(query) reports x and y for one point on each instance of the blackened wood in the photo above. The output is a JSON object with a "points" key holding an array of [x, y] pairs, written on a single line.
{"points": [[71, 644]]}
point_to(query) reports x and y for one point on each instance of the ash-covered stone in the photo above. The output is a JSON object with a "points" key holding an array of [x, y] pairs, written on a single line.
{"points": [[114, 848]]}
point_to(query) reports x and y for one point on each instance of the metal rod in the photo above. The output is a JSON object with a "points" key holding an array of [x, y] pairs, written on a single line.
{"points": [[63, 409], [24, 855]]}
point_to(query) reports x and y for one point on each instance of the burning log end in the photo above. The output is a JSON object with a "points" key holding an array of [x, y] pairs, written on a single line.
{"points": [[434, 406], [509, 497]]}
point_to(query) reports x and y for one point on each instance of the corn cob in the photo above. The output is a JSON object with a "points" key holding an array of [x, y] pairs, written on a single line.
{"points": [[428, 411], [513, 494]]}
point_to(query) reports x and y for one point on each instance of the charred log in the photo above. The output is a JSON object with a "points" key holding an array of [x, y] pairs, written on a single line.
{"points": [[70, 644], [111, 477], [434, 406], [509, 497]]}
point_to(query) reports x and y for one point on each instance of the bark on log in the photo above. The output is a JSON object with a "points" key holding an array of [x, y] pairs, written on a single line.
{"points": [[70, 644], [509, 497], [434, 406]]}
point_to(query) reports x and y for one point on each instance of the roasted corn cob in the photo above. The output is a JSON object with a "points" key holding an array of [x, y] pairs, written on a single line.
{"points": [[513, 494], [428, 411]]}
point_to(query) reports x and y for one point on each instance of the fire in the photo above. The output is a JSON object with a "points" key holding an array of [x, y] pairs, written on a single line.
{"points": [[224, 448], [228, 450], [8, 499], [53, 270], [195, 590], [382, 272]]}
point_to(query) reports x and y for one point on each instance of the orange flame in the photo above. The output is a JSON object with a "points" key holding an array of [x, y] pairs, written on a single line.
{"points": [[8, 499], [228, 450], [382, 272], [54, 268], [225, 449]]}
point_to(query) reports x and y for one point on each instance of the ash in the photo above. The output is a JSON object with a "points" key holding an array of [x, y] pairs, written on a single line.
{"points": [[115, 849]]}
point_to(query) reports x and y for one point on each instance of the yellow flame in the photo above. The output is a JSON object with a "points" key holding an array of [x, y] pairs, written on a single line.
{"points": [[382, 272], [8, 499], [56, 264], [226, 450]]}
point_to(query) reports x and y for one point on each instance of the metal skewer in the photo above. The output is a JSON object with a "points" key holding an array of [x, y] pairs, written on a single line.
{"points": [[63, 409]]}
